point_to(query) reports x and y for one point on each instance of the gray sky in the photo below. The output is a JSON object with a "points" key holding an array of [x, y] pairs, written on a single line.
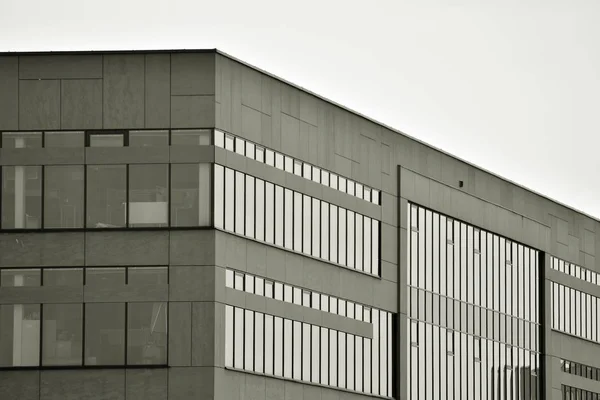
{"points": [[510, 85]]}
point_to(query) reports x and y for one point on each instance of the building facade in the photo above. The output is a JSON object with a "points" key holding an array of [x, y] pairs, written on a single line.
{"points": [[181, 225]]}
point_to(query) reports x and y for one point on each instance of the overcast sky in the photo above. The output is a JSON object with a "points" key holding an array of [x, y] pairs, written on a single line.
{"points": [[510, 85]]}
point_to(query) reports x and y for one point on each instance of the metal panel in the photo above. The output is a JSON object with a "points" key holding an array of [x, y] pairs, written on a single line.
{"points": [[192, 74], [193, 111], [127, 248], [60, 67], [39, 104], [123, 92], [158, 91], [9, 93], [81, 104]]}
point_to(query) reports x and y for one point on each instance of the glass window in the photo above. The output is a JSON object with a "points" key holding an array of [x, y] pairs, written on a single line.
{"points": [[63, 196], [229, 199], [20, 140], [342, 184], [269, 344], [288, 334], [279, 161], [148, 195], [106, 139], [350, 229], [64, 139], [289, 164], [278, 291], [249, 283], [351, 185], [375, 196], [289, 214], [238, 343], [316, 174], [306, 352], [316, 227], [270, 157], [21, 197], [260, 154], [20, 277], [359, 242], [297, 296], [104, 333], [229, 140], [278, 346], [297, 167], [218, 201], [315, 376], [190, 194], [148, 276], [333, 181], [269, 289], [306, 298], [240, 146], [287, 293], [324, 230], [258, 342], [106, 196], [63, 276], [306, 225], [238, 281], [325, 177], [342, 235], [333, 234], [297, 352], [250, 206], [324, 356], [278, 215], [367, 195], [219, 139], [104, 277], [250, 149], [150, 138], [62, 336], [249, 340], [260, 209], [269, 212], [359, 190], [229, 336], [20, 335], [229, 278], [316, 301], [307, 170]]}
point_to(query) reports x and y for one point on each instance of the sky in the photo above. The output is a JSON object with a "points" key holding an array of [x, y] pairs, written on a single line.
{"points": [[512, 86]]}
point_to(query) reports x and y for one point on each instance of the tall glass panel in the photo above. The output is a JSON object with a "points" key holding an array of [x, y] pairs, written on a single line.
{"points": [[259, 342], [149, 138], [62, 336], [147, 333], [316, 228], [298, 222], [342, 235], [269, 344], [219, 199], [239, 203], [190, 195], [106, 196], [333, 233], [250, 212], [278, 346], [187, 137], [229, 336], [21, 197], [289, 219], [21, 140], [324, 230], [63, 196], [64, 139], [306, 225], [104, 334], [359, 242], [19, 335], [260, 209], [148, 195], [229, 199], [238, 342], [278, 215]]}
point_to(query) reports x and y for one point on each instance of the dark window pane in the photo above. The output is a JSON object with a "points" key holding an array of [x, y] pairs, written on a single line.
{"points": [[107, 140], [63, 276], [190, 194], [63, 196], [21, 197], [104, 277], [148, 138], [106, 196], [148, 276], [105, 334], [19, 277], [148, 195], [62, 344], [147, 333], [20, 335], [64, 139], [19, 140], [192, 137]]}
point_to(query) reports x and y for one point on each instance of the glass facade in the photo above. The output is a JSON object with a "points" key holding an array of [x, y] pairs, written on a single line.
{"points": [[294, 166], [573, 393], [575, 270], [473, 312], [575, 312], [278, 346], [585, 371], [268, 212]]}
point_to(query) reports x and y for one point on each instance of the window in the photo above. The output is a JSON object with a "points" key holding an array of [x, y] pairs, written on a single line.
{"points": [[106, 196], [63, 276], [64, 139], [20, 140], [21, 197], [148, 195], [63, 196], [20, 277], [104, 334], [61, 335], [190, 137], [147, 276], [104, 278], [107, 139], [146, 333], [190, 194], [20, 335], [149, 138]]}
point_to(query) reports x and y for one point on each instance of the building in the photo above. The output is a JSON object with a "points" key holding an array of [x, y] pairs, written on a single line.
{"points": [[180, 225]]}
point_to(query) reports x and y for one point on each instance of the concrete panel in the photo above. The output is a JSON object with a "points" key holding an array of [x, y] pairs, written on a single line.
{"points": [[19, 385], [158, 91], [9, 93], [191, 383], [81, 104], [42, 156], [290, 135], [60, 66], [123, 93], [146, 384], [308, 108], [203, 334], [195, 247], [251, 88], [251, 124], [127, 248], [195, 283], [192, 74], [294, 391], [193, 111], [41, 249], [127, 155], [290, 100], [82, 385], [180, 334], [39, 104], [274, 389]]}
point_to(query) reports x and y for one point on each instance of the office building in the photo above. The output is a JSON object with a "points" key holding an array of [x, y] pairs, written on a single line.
{"points": [[181, 225]]}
